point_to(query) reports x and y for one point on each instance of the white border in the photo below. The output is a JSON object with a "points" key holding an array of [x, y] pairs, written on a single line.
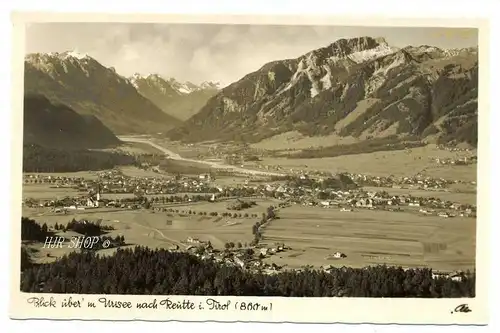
{"points": [[426, 9]]}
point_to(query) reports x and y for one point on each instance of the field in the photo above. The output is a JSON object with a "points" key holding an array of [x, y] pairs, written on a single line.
{"points": [[385, 163], [47, 192], [371, 237], [159, 229], [298, 141], [367, 237], [463, 198]]}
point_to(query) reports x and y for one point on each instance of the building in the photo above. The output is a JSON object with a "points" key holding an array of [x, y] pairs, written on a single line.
{"points": [[339, 255], [205, 177], [364, 203]]}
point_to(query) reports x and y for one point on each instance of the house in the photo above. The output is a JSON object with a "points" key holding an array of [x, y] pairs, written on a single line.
{"points": [[339, 255], [264, 251], [456, 277], [192, 240], [204, 177], [366, 202], [325, 203], [239, 262]]}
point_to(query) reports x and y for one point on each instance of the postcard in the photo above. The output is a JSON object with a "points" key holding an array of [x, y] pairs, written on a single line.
{"points": [[250, 168]]}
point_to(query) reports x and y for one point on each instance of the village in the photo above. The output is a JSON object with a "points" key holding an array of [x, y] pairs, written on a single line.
{"points": [[110, 189]]}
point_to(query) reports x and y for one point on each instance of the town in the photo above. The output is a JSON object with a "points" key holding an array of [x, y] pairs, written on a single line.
{"points": [[179, 199]]}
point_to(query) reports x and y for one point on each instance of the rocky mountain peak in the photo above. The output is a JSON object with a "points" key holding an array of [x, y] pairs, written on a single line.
{"points": [[86, 86], [179, 99], [356, 88]]}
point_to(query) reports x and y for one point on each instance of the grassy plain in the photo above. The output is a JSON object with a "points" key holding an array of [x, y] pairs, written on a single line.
{"points": [[386, 163], [157, 229], [370, 237], [367, 237], [463, 198], [47, 192]]}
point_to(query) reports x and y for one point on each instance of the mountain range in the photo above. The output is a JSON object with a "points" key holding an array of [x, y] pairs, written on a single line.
{"points": [[83, 84], [58, 126], [181, 100], [361, 88], [358, 88]]}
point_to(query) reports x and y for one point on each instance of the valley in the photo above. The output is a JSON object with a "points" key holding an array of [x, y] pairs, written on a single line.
{"points": [[359, 154], [395, 228]]}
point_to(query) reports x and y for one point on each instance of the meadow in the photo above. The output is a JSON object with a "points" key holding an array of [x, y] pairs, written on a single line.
{"points": [[385, 163], [459, 197], [370, 237], [159, 229]]}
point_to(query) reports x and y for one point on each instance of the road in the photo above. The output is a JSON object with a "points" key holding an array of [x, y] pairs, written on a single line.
{"points": [[215, 165], [170, 240]]}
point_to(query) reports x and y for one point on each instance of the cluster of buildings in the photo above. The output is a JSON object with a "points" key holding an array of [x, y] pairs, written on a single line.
{"points": [[456, 161], [416, 182], [248, 258], [114, 181], [347, 200], [57, 181]]}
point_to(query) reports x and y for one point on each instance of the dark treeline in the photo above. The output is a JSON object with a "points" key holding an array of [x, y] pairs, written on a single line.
{"points": [[86, 228], [33, 231], [41, 159], [367, 146], [160, 272], [341, 182], [25, 259], [268, 216]]}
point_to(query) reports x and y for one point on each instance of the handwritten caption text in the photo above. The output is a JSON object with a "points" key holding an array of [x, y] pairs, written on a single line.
{"points": [[157, 303]]}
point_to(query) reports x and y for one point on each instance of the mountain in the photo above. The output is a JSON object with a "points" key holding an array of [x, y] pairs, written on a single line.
{"points": [[180, 100], [58, 126], [361, 88], [88, 87]]}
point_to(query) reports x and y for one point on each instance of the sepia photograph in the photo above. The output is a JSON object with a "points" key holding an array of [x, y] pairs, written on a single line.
{"points": [[268, 161]]}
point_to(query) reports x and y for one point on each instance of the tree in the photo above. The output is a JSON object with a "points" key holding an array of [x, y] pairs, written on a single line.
{"points": [[239, 245]]}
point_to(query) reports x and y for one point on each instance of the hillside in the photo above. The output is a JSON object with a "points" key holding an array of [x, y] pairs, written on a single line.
{"points": [[86, 86], [180, 100], [360, 88], [58, 126]]}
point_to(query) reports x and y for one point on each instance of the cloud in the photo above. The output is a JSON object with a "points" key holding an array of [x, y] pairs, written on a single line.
{"points": [[196, 53]]}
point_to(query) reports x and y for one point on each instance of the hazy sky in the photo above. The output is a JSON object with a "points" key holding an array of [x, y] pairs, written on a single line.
{"points": [[220, 53]]}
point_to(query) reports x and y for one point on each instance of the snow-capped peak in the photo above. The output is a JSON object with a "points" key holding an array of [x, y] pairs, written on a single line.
{"points": [[318, 64], [75, 54], [182, 88]]}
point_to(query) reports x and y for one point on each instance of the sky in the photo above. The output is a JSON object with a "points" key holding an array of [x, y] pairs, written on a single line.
{"points": [[217, 53]]}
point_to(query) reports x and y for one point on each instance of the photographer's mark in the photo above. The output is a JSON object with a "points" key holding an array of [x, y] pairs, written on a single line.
{"points": [[76, 242]]}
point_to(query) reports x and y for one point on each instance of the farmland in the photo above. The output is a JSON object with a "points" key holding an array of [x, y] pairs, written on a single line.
{"points": [[156, 230], [385, 163], [312, 232], [370, 237]]}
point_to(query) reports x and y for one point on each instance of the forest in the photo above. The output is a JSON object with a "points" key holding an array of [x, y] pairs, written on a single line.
{"points": [[141, 270], [160, 272], [368, 146], [32, 231], [41, 159]]}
